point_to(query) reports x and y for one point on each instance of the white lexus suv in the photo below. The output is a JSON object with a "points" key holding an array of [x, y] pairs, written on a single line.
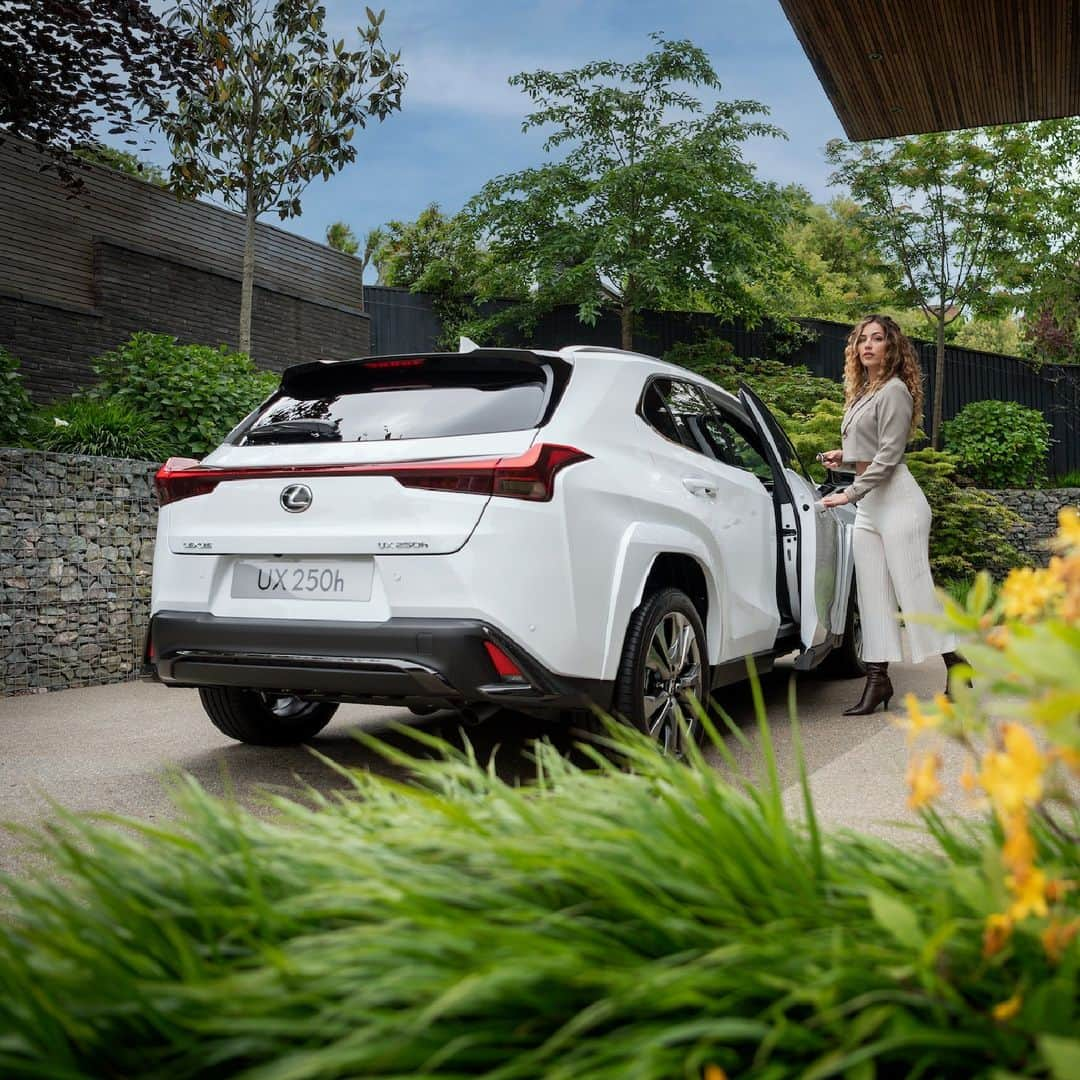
{"points": [[540, 530]]}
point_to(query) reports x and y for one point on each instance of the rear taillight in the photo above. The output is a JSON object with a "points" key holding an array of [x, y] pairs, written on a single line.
{"points": [[529, 476]]}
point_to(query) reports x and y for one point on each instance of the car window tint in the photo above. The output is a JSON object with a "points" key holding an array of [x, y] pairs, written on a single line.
{"points": [[738, 450], [410, 412], [679, 411]]}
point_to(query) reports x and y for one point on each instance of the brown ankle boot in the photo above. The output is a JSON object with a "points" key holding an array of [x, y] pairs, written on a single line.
{"points": [[878, 689], [951, 660]]}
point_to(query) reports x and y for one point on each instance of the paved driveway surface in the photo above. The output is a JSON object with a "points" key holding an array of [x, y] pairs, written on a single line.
{"points": [[111, 747]]}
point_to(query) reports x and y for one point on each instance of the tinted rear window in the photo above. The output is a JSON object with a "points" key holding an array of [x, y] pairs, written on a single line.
{"points": [[426, 398]]}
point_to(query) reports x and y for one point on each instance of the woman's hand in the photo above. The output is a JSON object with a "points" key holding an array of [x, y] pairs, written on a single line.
{"points": [[831, 459], [838, 499]]}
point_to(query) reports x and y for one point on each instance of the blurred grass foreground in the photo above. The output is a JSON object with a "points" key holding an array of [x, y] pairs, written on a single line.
{"points": [[639, 918]]}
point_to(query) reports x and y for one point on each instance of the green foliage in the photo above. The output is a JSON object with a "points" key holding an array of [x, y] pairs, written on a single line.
{"points": [[103, 428], [196, 394], [444, 257], [280, 105], [653, 202], [1067, 480], [15, 405], [970, 529], [792, 389], [956, 213], [341, 238], [122, 161], [647, 921], [1001, 335], [836, 271], [999, 444]]}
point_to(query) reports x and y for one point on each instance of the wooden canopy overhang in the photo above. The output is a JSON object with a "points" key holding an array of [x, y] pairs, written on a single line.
{"points": [[903, 67]]}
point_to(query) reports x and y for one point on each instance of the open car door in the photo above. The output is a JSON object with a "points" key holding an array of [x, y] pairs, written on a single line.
{"points": [[816, 547]]}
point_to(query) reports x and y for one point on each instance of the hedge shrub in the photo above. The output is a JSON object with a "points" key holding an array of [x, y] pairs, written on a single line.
{"points": [[197, 394], [108, 428], [999, 444], [16, 408]]}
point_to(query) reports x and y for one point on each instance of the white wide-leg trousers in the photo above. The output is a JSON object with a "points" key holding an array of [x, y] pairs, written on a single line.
{"points": [[892, 572]]}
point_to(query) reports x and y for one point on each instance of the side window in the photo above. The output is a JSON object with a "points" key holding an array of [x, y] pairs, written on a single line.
{"points": [[681, 413], [741, 452]]}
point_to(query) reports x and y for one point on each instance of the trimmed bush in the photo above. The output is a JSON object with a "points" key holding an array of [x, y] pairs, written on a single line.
{"points": [[999, 444], [16, 408], [654, 922], [102, 428], [196, 394]]}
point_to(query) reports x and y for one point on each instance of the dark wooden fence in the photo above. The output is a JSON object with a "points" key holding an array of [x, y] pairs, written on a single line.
{"points": [[404, 322]]}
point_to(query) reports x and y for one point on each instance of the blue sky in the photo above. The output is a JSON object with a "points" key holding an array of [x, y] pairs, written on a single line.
{"points": [[460, 123]]}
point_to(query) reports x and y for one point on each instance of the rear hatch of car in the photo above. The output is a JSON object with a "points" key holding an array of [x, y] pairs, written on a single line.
{"points": [[385, 455]]}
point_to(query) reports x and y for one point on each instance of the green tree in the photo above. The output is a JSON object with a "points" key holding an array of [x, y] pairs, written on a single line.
{"points": [[653, 201], [957, 212], [836, 270], [445, 257], [67, 67], [279, 105], [341, 238]]}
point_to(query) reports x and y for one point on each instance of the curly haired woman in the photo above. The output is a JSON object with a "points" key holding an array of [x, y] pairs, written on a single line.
{"points": [[883, 392]]}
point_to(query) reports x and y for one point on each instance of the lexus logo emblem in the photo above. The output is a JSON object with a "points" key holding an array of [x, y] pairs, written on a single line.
{"points": [[296, 498]]}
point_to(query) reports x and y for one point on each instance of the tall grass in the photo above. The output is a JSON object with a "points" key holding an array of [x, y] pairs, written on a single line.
{"points": [[634, 922]]}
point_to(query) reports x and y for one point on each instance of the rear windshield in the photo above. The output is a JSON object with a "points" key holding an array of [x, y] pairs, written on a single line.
{"points": [[402, 398]]}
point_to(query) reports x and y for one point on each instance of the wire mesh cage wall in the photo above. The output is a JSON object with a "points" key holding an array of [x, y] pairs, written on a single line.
{"points": [[76, 554]]}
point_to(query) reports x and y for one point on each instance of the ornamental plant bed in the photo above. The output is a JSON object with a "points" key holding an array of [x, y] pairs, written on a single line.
{"points": [[640, 918]]}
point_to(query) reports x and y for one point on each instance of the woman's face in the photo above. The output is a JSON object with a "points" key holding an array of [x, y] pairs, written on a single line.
{"points": [[871, 347]]}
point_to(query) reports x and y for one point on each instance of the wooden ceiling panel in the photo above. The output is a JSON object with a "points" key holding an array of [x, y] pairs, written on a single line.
{"points": [[902, 67]]}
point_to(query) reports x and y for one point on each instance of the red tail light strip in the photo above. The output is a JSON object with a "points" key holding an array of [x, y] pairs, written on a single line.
{"points": [[529, 476]]}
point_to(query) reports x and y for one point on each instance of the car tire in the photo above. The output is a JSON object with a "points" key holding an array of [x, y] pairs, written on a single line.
{"points": [[649, 687], [844, 662], [263, 718]]}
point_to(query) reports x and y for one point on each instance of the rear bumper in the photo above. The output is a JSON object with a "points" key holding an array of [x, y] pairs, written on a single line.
{"points": [[400, 661]]}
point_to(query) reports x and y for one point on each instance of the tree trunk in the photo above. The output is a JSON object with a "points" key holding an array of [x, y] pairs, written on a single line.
{"points": [[939, 383], [247, 284], [626, 313]]}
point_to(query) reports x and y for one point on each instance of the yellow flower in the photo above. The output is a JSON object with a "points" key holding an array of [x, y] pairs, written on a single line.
{"points": [[1030, 892], [1057, 937], [1006, 1010], [1058, 889], [1069, 757], [968, 780], [996, 934], [998, 637], [714, 1072], [1012, 777], [1018, 854], [1027, 593], [1068, 534], [1067, 572], [944, 706], [917, 721], [923, 780]]}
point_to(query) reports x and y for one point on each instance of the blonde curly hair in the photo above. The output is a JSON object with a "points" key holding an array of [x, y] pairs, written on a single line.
{"points": [[901, 361]]}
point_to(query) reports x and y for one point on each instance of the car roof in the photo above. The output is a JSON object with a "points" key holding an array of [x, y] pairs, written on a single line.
{"points": [[647, 364]]}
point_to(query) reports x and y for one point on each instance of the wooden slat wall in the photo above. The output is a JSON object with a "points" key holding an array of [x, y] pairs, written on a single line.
{"points": [[47, 238], [900, 67]]}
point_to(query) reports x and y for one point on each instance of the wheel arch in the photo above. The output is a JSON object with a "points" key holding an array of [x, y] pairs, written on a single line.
{"points": [[651, 558]]}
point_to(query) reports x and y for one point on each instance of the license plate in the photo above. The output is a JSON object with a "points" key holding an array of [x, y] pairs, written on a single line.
{"points": [[302, 580]]}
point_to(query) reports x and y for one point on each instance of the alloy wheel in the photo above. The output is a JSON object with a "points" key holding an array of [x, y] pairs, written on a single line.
{"points": [[673, 671]]}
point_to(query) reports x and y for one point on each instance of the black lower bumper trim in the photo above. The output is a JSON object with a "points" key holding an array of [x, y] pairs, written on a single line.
{"points": [[440, 661]]}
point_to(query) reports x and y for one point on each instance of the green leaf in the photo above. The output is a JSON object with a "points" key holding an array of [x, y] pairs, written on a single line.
{"points": [[1062, 1056], [897, 918]]}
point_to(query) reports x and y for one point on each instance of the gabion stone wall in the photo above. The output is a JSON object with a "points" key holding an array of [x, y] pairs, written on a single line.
{"points": [[76, 553], [1038, 510]]}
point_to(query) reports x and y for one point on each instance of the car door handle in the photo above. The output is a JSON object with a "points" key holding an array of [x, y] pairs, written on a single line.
{"points": [[697, 485]]}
